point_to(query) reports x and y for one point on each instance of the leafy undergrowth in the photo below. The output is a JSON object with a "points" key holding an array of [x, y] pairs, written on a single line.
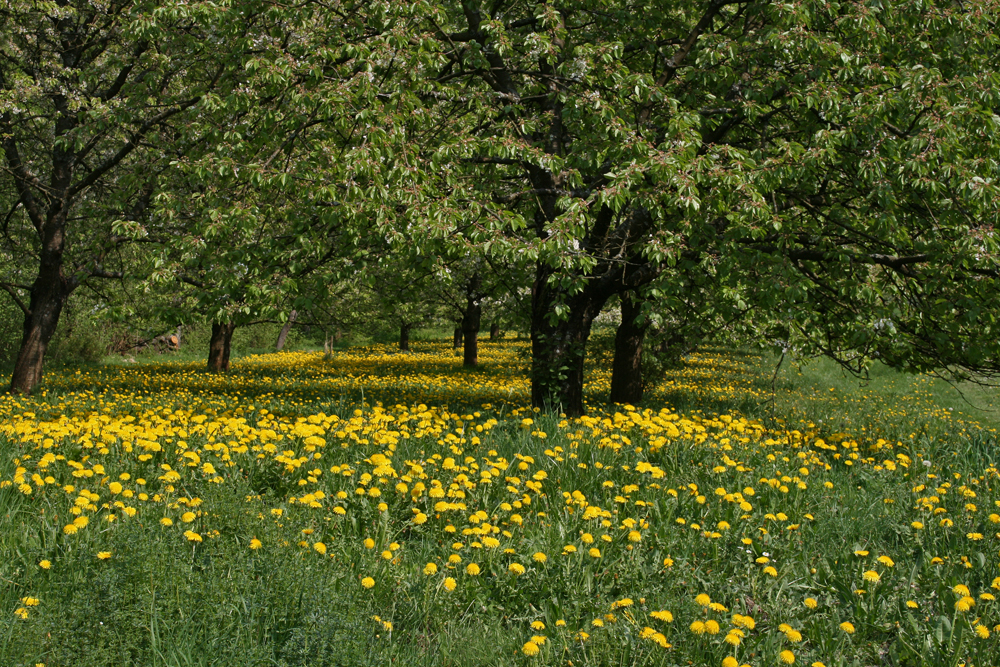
{"points": [[375, 507]]}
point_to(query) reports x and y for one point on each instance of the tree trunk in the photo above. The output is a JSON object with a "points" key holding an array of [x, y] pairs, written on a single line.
{"points": [[48, 296], [283, 335], [626, 373], [495, 330], [472, 320], [39, 326], [218, 347], [470, 332], [458, 338], [404, 337], [558, 348]]}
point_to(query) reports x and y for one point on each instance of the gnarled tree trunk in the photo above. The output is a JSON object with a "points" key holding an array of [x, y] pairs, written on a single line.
{"points": [[48, 296], [219, 346], [626, 373], [559, 347]]}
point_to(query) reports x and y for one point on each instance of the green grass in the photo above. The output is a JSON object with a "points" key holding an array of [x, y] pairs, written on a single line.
{"points": [[831, 480]]}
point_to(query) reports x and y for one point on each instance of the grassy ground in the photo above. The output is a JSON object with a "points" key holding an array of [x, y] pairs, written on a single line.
{"points": [[377, 508]]}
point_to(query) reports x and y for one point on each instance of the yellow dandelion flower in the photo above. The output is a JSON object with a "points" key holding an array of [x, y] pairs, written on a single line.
{"points": [[539, 557], [847, 627], [45, 564], [320, 548], [368, 582], [530, 649], [430, 569], [787, 657], [450, 583], [472, 569], [255, 544], [872, 576], [104, 555], [982, 632], [516, 568], [810, 603], [703, 599]]}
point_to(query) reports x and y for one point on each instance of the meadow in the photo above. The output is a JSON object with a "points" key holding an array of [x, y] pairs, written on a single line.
{"points": [[371, 507]]}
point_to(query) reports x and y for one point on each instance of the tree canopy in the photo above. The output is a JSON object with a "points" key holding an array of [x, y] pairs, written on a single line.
{"points": [[822, 172]]}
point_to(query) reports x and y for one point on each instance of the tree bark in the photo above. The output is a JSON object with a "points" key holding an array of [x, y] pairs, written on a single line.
{"points": [[470, 332], [458, 338], [283, 335], [219, 346], [48, 296], [404, 337], [626, 373], [472, 321], [495, 330], [559, 346]]}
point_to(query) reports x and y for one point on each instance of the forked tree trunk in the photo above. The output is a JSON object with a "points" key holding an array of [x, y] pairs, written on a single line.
{"points": [[48, 296], [470, 332], [457, 338], [404, 337], [283, 334], [626, 373], [559, 347], [219, 346]]}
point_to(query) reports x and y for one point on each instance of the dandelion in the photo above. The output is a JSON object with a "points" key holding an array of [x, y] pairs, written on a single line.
{"points": [[885, 560], [787, 657], [530, 649], [255, 544], [104, 555], [730, 661], [916, 525], [703, 600], [472, 570], [961, 589], [871, 576], [810, 603], [770, 571], [516, 568], [188, 517], [911, 604], [539, 557], [450, 583], [847, 627], [166, 521], [594, 552], [537, 625], [320, 548], [45, 564], [430, 569], [369, 543], [192, 536], [368, 582], [982, 632], [664, 616], [697, 627]]}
